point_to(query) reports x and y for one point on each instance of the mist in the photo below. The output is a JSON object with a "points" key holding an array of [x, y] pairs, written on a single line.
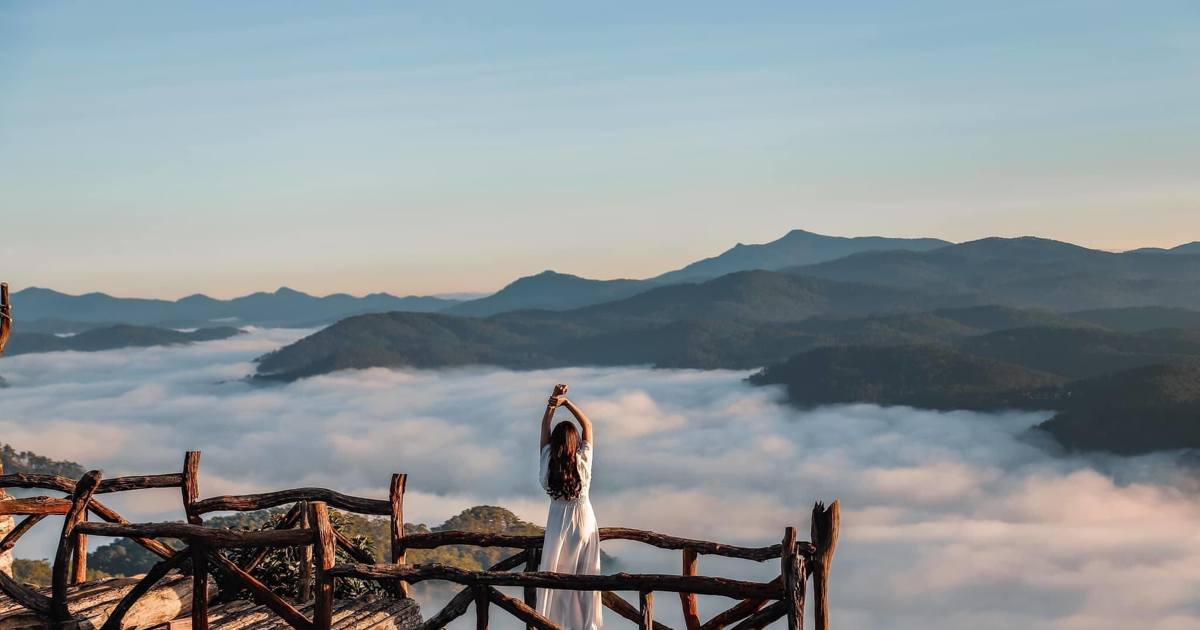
{"points": [[950, 519]]}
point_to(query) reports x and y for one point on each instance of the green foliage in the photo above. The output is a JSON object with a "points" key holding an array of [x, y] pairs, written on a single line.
{"points": [[38, 572], [29, 462]]}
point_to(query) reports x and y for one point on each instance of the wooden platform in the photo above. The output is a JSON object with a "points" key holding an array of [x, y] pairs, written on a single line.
{"points": [[168, 607]]}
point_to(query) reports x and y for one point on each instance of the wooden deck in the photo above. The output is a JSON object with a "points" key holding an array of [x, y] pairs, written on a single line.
{"points": [[168, 607]]}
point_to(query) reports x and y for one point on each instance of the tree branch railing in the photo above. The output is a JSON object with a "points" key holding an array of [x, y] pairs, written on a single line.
{"points": [[306, 525]]}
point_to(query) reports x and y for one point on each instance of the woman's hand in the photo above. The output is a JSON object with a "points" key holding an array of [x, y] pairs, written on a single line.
{"points": [[556, 401]]}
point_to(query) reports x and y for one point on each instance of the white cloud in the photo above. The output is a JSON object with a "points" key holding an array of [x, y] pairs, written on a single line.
{"points": [[951, 519]]}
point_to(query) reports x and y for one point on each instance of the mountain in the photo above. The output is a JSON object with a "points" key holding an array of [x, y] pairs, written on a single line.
{"points": [[1140, 318], [550, 291], [32, 463], [112, 338], [1083, 352], [926, 376], [284, 307], [1148, 409], [554, 291], [1186, 248], [797, 247], [1029, 273]]}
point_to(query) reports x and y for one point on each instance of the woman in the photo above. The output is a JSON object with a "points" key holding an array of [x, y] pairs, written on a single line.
{"points": [[572, 543]]}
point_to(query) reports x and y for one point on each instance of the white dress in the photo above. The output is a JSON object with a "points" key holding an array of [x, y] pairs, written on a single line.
{"points": [[572, 545]]}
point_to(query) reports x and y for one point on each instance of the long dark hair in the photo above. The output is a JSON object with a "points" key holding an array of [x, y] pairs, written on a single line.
{"points": [[563, 481]]}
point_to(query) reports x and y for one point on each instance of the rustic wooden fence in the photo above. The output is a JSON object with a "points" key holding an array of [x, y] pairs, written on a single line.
{"points": [[307, 526]]}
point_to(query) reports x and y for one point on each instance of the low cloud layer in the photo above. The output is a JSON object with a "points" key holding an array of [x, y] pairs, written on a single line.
{"points": [[951, 520]]}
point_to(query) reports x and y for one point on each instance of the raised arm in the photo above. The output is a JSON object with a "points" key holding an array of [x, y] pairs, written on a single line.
{"points": [[556, 399], [584, 421]]}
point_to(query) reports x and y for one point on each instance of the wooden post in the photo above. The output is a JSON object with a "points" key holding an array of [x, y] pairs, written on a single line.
{"points": [[5, 316], [481, 607], [691, 614], [533, 560], [191, 486], [199, 586], [60, 576], [396, 497], [7, 528], [825, 525], [646, 603], [305, 588], [792, 571], [79, 556], [324, 549]]}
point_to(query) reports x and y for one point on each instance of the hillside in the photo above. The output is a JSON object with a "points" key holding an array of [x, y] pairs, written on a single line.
{"points": [[797, 247], [926, 376], [29, 462], [1083, 352], [1029, 273], [1143, 410], [112, 338], [1141, 318], [549, 291]]}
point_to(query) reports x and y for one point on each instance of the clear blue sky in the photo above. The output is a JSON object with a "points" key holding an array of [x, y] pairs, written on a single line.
{"points": [[163, 148]]}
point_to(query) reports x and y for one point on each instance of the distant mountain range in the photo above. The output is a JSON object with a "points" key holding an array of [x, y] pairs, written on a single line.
{"points": [[114, 337], [51, 311]]}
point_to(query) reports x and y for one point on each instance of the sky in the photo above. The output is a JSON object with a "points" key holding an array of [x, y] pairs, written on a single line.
{"points": [[950, 520], [161, 149]]}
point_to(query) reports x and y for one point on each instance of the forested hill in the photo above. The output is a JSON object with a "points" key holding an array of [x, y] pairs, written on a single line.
{"points": [[28, 462], [112, 338]]}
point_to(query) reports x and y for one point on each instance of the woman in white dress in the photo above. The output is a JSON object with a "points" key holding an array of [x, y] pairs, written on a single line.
{"points": [[572, 543]]}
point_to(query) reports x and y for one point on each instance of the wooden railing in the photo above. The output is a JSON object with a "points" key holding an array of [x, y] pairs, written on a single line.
{"points": [[307, 526]]}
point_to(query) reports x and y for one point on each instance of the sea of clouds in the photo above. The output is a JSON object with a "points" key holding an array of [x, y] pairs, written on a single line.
{"points": [[950, 520]]}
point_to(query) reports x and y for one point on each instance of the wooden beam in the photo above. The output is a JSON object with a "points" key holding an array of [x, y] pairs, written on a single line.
{"points": [[738, 611], [825, 526], [522, 611], [533, 560], [25, 525], [481, 607], [211, 536], [617, 604], [24, 595], [199, 587], [261, 593], [764, 617], [60, 572], [396, 511], [289, 520], [35, 505], [792, 571], [190, 487], [646, 606], [5, 316], [156, 573], [116, 484], [455, 608], [252, 502], [324, 556], [691, 613], [305, 587], [702, 585]]}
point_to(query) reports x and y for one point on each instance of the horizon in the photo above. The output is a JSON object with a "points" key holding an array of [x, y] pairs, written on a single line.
{"points": [[448, 149], [470, 295]]}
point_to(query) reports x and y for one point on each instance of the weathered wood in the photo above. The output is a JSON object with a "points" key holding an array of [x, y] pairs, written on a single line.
{"points": [[199, 587], [646, 606], [211, 536], [252, 502], [156, 573], [521, 610], [11, 538], [792, 571], [483, 539], [190, 487], [764, 617], [24, 595], [305, 587], [691, 613], [455, 608], [481, 607], [533, 560], [324, 550], [825, 526], [5, 316], [396, 508], [60, 572], [617, 604], [511, 562], [35, 505], [738, 611], [261, 593], [702, 585], [79, 557], [116, 484]]}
